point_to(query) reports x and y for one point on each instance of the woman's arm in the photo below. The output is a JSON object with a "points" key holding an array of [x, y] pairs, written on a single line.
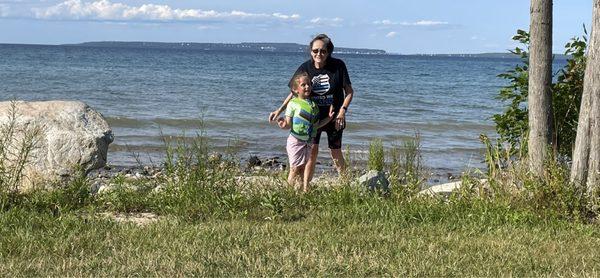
{"points": [[340, 120], [273, 115]]}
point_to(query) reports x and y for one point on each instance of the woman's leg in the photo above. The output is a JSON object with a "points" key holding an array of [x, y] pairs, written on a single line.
{"points": [[312, 161], [338, 160]]}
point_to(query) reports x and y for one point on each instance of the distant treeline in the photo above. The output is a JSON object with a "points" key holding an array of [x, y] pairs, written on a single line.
{"points": [[245, 46], [489, 55]]}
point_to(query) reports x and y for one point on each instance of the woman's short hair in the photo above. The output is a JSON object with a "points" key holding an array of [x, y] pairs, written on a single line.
{"points": [[325, 39]]}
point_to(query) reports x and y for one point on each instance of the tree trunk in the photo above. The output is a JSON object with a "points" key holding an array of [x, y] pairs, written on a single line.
{"points": [[586, 168], [540, 81]]}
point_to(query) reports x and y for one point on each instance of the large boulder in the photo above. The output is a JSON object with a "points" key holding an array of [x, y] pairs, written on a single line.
{"points": [[68, 136]]}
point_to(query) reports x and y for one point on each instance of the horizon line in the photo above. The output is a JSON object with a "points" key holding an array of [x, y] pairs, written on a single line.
{"points": [[179, 42]]}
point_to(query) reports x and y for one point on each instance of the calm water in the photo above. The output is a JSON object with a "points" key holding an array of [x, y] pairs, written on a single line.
{"points": [[449, 101]]}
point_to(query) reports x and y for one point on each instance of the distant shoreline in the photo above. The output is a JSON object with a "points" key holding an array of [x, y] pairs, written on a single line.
{"points": [[272, 48]]}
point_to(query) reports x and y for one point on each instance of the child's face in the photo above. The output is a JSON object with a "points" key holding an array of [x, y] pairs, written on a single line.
{"points": [[303, 87]]}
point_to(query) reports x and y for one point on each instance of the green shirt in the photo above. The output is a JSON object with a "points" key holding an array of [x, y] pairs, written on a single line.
{"points": [[304, 114]]}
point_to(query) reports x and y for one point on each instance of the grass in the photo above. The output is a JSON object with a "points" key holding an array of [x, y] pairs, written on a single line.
{"points": [[370, 237], [215, 222]]}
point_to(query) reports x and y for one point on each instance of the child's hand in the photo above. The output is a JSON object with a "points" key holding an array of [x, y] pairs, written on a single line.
{"points": [[331, 111], [281, 123]]}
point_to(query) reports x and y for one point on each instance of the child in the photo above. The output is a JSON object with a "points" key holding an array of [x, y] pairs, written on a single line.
{"points": [[301, 117]]}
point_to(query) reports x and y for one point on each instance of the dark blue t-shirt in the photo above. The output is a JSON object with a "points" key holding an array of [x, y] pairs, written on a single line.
{"points": [[327, 84]]}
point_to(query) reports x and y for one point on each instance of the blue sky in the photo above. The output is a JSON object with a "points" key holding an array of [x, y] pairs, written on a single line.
{"points": [[401, 26]]}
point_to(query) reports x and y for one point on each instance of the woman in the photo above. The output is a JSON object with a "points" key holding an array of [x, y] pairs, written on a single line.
{"points": [[330, 86]]}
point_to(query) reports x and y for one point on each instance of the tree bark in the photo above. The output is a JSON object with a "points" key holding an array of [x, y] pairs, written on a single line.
{"points": [[540, 81], [586, 167]]}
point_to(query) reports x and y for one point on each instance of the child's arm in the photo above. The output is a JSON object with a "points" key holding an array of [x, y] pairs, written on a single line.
{"points": [[323, 122], [285, 123]]}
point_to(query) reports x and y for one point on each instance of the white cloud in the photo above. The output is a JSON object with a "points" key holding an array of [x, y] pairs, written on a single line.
{"points": [[334, 22], [391, 34], [113, 11], [427, 23], [283, 16], [424, 23]]}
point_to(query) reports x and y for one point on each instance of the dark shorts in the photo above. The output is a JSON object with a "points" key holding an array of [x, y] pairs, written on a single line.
{"points": [[334, 137]]}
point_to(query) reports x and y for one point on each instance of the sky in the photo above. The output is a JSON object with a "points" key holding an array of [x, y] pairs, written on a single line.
{"points": [[400, 26]]}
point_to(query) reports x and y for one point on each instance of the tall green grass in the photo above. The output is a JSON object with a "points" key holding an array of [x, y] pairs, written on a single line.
{"points": [[17, 142], [403, 163], [510, 181]]}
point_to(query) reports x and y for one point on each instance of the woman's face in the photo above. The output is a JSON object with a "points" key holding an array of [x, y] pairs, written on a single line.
{"points": [[319, 52]]}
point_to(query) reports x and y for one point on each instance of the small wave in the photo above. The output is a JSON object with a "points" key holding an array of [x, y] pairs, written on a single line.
{"points": [[127, 122], [188, 123]]}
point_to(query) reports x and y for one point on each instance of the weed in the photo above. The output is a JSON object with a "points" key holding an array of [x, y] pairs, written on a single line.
{"points": [[376, 156], [17, 143]]}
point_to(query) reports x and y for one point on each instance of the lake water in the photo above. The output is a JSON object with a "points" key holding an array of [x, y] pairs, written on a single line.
{"points": [[143, 92]]}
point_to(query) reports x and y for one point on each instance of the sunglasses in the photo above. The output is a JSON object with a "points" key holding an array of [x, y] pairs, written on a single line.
{"points": [[319, 51]]}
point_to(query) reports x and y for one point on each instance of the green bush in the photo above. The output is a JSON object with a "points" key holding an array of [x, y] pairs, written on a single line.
{"points": [[512, 124]]}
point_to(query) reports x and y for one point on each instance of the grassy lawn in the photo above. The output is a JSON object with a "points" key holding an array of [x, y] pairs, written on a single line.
{"points": [[358, 236]]}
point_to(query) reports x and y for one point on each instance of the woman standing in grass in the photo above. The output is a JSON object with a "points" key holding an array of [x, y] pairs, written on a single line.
{"points": [[331, 86], [301, 117]]}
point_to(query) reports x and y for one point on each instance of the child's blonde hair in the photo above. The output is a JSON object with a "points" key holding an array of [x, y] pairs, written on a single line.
{"points": [[295, 82]]}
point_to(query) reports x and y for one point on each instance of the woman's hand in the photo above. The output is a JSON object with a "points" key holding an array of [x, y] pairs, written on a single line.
{"points": [[340, 120], [331, 111]]}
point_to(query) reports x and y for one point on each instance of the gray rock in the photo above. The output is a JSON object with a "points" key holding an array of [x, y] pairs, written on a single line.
{"points": [[446, 189], [71, 136], [96, 187], [254, 161], [374, 180]]}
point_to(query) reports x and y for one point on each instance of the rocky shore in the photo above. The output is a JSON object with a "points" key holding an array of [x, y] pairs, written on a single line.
{"points": [[102, 178]]}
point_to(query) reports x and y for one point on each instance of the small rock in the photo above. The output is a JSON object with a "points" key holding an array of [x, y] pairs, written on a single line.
{"points": [[257, 168], [158, 188], [254, 161], [95, 188], [104, 188], [374, 180], [214, 157]]}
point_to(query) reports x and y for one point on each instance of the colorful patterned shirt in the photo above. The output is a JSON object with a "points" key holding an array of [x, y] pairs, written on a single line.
{"points": [[304, 114]]}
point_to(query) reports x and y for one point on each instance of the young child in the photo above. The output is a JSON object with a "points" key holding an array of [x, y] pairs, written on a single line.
{"points": [[301, 117]]}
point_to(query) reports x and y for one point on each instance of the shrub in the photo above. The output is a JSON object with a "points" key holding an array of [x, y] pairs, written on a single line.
{"points": [[512, 124]]}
